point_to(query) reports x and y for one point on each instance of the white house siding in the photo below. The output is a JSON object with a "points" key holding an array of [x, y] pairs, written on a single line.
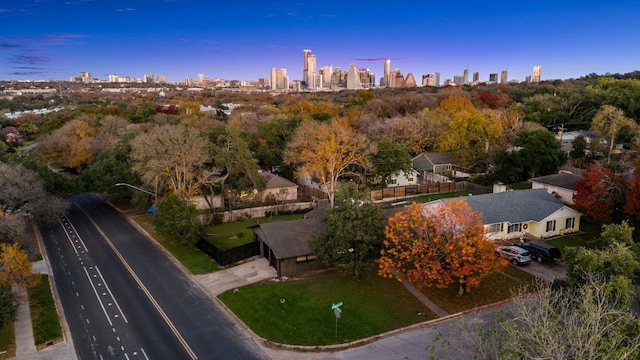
{"points": [[539, 229], [404, 179], [565, 195]]}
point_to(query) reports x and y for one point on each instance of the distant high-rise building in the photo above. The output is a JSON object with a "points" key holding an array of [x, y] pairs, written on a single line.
{"points": [[465, 77], [367, 78], [150, 78], [396, 79], [279, 79], [387, 73], [476, 77], [458, 80], [201, 78], [338, 78], [273, 78], [113, 78], [353, 80], [536, 74], [163, 79], [410, 81], [325, 76], [309, 70], [432, 79], [493, 78], [503, 77]]}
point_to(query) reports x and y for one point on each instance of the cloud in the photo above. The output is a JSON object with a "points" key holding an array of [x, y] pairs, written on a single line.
{"points": [[9, 46], [29, 60], [126, 9], [58, 39], [27, 73], [4, 10]]}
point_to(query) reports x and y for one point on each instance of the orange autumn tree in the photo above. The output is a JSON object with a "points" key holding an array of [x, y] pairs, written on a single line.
{"points": [[439, 248]]}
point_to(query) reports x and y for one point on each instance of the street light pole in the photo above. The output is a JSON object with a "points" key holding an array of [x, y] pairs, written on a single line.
{"points": [[137, 188]]}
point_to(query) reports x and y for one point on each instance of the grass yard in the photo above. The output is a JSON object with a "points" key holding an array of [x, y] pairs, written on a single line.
{"points": [[44, 318], [493, 289], [233, 234], [7, 341], [372, 305], [589, 231], [188, 255]]}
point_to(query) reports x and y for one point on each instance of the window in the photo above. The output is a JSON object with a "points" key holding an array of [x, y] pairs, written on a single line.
{"points": [[570, 223], [495, 228], [393, 181], [306, 258], [514, 228], [410, 179], [551, 225]]}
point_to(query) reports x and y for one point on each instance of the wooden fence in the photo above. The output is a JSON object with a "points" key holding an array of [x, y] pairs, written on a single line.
{"points": [[423, 189]]}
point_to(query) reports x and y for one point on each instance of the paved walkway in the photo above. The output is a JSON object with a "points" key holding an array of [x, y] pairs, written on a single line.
{"points": [[251, 272], [25, 344]]}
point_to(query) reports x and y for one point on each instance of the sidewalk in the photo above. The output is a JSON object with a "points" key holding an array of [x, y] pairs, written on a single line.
{"points": [[25, 344]]}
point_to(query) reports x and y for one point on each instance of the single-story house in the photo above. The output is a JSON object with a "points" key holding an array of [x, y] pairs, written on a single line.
{"points": [[281, 188], [404, 178], [437, 166], [508, 215], [560, 185], [286, 245]]}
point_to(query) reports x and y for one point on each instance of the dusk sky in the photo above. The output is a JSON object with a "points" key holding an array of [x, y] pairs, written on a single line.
{"points": [[244, 39]]}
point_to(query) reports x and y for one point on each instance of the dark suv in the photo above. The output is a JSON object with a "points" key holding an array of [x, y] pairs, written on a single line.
{"points": [[540, 251]]}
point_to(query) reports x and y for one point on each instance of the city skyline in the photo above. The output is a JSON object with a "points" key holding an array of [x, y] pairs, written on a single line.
{"points": [[55, 40]]}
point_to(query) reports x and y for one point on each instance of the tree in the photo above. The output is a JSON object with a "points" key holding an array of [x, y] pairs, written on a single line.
{"points": [[71, 145], [471, 134], [600, 193], [171, 157], [609, 122], [355, 228], [443, 247], [539, 154], [617, 259], [23, 191], [632, 203], [329, 151], [589, 321], [112, 166], [15, 267], [231, 167], [389, 161], [179, 220]]}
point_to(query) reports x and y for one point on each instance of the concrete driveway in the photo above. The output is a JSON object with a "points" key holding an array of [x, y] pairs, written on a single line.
{"points": [[547, 271]]}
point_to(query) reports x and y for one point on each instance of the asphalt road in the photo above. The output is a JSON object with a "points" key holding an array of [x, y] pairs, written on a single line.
{"points": [[124, 298]]}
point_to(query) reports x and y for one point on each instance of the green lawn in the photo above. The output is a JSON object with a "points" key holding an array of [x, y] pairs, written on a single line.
{"points": [[7, 341], [372, 305], [589, 232], [44, 318], [233, 234], [493, 289], [188, 255]]}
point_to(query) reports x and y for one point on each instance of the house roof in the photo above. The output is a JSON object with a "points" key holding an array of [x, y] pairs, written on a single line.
{"points": [[276, 182], [563, 180], [514, 206], [427, 160], [289, 239]]}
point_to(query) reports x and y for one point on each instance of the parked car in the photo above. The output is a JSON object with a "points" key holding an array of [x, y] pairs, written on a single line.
{"points": [[541, 251], [515, 254]]}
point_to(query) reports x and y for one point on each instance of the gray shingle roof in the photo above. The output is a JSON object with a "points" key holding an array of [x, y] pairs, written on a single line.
{"points": [[289, 239], [563, 180], [275, 182], [514, 206]]}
